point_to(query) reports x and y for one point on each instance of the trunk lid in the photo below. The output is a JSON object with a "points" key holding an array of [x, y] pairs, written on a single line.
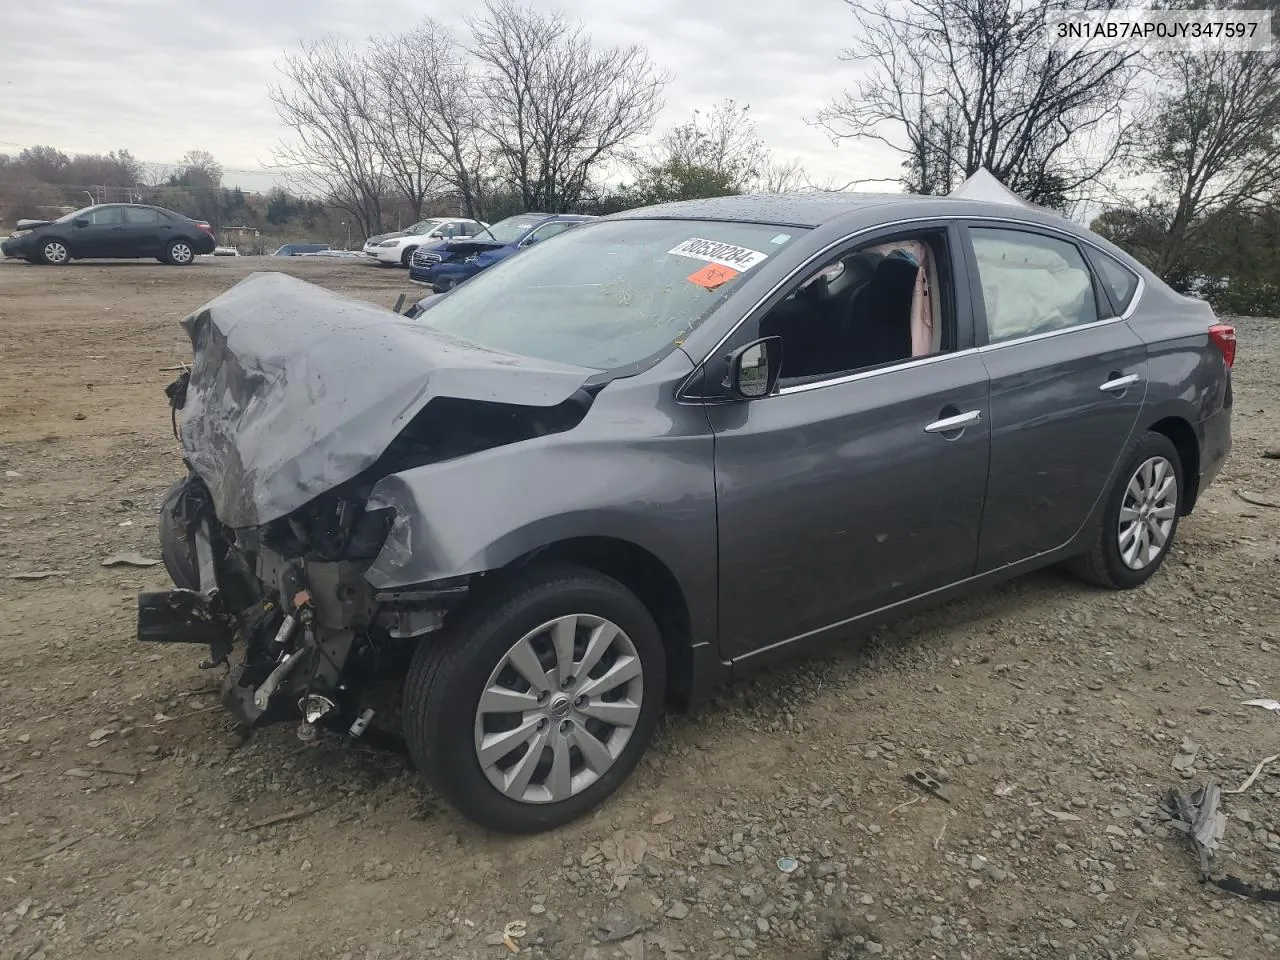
{"points": [[294, 390]]}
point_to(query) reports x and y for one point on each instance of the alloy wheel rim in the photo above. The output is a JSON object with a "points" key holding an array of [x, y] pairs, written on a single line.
{"points": [[1147, 513], [558, 709], [181, 252], [55, 252]]}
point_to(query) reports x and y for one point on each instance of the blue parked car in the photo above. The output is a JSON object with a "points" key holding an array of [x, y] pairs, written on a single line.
{"points": [[444, 267]]}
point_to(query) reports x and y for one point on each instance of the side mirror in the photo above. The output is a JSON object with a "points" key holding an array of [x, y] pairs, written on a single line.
{"points": [[754, 369], [80, 222]]}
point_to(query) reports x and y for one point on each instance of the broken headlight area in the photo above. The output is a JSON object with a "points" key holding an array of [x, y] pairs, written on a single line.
{"points": [[285, 607]]}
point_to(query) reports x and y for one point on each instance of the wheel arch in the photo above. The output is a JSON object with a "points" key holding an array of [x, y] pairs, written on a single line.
{"points": [[1183, 437], [651, 580]]}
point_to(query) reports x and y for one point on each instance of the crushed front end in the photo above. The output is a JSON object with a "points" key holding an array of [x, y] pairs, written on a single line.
{"points": [[286, 609], [297, 403]]}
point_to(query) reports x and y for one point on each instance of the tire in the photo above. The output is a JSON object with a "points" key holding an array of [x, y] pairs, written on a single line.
{"points": [[180, 253], [407, 256], [177, 552], [1105, 563], [444, 728], [54, 253]]}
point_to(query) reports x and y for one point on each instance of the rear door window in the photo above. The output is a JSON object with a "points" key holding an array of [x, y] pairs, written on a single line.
{"points": [[1031, 283], [140, 215]]}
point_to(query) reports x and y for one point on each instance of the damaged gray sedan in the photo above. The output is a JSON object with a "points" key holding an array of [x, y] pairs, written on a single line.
{"points": [[604, 477]]}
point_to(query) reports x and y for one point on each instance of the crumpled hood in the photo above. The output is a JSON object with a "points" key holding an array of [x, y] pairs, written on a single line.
{"points": [[295, 390]]}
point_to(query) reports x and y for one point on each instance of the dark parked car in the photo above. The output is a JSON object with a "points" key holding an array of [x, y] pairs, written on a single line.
{"points": [[297, 249], [626, 466], [445, 266], [113, 231]]}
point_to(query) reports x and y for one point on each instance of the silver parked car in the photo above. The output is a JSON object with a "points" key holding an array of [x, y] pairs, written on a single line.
{"points": [[609, 474]]}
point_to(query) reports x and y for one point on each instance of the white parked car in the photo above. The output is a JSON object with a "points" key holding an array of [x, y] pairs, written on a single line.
{"points": [[397, 248]]}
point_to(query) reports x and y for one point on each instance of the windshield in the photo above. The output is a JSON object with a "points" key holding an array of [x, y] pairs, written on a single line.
{"points": [[508, 230], [609, 294], [84, 211], [426, 226]]}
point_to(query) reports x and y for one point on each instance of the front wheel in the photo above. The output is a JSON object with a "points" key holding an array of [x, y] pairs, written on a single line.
{"points": [[407, 256], [54, 253], [536, 704], [179, 253], [1140, 517]]}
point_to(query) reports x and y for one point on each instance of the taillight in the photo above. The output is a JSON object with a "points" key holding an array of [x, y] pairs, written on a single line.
{"points": [[1223, 336]]}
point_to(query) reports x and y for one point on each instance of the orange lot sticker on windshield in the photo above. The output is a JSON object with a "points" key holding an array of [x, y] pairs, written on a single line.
{"points": [[712, 275]]}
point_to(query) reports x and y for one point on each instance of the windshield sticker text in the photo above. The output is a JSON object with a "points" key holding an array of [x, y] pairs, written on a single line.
{"points": [[725, 254]]}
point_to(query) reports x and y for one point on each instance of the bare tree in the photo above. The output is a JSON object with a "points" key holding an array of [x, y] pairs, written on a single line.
{"points": [[556, 107], [403, 134], [428, 83], [1213, 140], [326, 100], [973, 83], [724, 140]]}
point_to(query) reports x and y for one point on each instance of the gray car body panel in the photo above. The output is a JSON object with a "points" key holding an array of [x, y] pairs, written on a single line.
{"points": [[737, 505], [637, 469]]}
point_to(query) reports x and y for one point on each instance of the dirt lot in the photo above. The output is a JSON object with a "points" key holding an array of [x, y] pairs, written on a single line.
{"points": [[131, 821]]}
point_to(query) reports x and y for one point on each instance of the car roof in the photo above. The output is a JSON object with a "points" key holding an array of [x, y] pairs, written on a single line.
{"points": [[814, 209]]}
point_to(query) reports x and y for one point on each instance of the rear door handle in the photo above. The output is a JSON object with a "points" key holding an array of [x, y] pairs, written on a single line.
{"points": [[1119, 383], [952, 424]]}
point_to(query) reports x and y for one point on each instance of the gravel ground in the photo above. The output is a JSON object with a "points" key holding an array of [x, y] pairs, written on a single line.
{"points": [[133, 824]]}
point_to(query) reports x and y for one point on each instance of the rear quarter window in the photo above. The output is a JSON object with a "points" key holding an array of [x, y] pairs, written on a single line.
{"points": [[1120, 282]]}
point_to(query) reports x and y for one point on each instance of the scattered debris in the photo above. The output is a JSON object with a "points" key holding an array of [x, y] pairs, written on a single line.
{"points": [[623, 853], [788, 864], [662, 817], [1264, 704], [905, 804], [38, 574], [1199, 816], [616, 925], [1271, 453], [1004, 790], [1061, 815], [937, 841], [9, 777], [926, 782], [100, 734], [1256, 500], [1186, 756], [287, 817], [678, 911], [513, 932], [1254, 776], [57, 848], [129, 560], [79, 773]]}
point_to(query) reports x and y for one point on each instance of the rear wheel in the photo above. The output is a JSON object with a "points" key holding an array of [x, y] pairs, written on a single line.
{"points": [[179, 253], [536, 704], [54, 253], [1140, 517]]}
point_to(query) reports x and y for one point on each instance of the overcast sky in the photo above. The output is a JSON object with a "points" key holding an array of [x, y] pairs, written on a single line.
{"points": [[159, 78]]}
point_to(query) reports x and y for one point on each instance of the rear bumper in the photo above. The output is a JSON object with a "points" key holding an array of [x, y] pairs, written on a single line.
{"points": [[1215, 446]]}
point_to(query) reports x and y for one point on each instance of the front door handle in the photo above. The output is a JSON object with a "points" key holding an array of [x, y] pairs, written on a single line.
{"points": [[952, 424], [1119, 383]]}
